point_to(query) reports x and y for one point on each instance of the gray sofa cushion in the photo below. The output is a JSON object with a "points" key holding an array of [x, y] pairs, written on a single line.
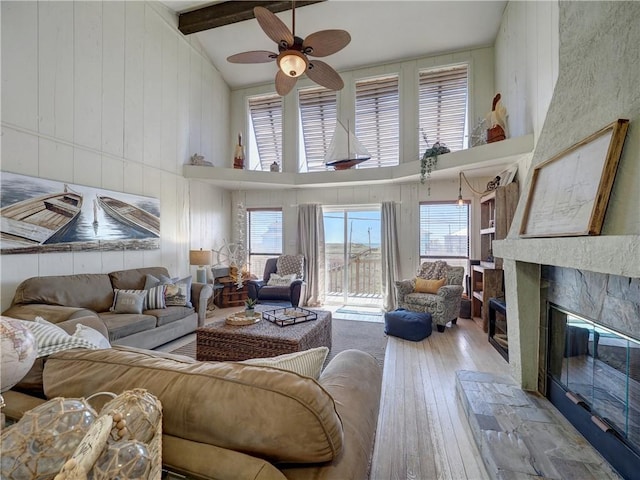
{"points": [[91, 291], [122, 325], [169, 314], [134, 279]]}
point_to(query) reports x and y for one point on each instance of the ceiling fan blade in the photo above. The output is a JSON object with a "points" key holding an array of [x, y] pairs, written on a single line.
{"points": [[284, 83], [255, 56], [324, 75], [326, 42], [275, 28]]}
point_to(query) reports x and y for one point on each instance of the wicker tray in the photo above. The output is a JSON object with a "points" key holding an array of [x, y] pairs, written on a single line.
{"points": [[289, 316], [239, 319]]}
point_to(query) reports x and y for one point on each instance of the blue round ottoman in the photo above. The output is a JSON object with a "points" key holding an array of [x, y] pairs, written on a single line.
{"points": [[414, 326]]}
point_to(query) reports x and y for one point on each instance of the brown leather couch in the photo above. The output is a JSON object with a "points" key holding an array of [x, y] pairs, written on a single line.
{"points": [[67, 297], [233, 421]]}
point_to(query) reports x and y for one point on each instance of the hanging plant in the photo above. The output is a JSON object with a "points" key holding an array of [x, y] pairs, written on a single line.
{"points": [[429, 162]]}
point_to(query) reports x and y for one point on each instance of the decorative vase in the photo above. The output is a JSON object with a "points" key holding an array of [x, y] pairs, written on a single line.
{"points": [[249, 312]]}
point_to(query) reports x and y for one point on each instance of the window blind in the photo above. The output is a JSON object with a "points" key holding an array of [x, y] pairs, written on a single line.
{"points": [[442, 100], [318, 111], [264, 231], [378, 120], [444, 230], [266, 120]]}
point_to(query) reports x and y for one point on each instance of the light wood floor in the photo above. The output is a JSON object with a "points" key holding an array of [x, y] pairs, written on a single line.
{"points": [[422, 431]]}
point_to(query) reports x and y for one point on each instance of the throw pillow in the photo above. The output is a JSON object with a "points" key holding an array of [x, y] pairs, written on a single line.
{"points": [[92, 336], [51, 326], [128, 301], [281, 280], [288, 264], [428, 286], [52, 339], [153, 297], [433, 270], [151, 281], [308, 362], [178, 293]]}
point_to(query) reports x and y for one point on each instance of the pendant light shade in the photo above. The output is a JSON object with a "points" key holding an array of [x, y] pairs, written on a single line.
{"points": [[292, 63]]}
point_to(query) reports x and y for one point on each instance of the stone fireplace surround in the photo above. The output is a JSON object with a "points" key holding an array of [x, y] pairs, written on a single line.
{"points": [[598, 65]]}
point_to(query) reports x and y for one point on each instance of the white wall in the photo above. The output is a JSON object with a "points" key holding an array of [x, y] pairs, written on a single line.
{"points": [[526, 67], [111, 95]]}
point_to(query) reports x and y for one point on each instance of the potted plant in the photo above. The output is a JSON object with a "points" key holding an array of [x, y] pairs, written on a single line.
{"points": [[249, 307]]}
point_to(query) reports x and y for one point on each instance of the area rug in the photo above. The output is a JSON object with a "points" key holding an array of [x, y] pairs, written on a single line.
{"points": [[366, 336], [362, 315]]}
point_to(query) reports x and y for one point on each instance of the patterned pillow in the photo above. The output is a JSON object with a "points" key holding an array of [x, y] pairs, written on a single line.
{"points": [[52, 339], [433, 270], [308, 362], [288, 264], [178, 293], [281, 280], [128, 301]]}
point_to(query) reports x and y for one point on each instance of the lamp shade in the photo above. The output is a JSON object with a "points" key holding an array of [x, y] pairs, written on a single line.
{"points": [[200, 257], [292, 63]]}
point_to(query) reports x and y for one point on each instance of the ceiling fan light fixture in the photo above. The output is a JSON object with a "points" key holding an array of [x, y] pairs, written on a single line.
{"points": [[292, 63]]}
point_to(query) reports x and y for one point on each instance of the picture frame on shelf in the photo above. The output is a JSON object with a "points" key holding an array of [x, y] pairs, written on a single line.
{"points": [[569, 192]]}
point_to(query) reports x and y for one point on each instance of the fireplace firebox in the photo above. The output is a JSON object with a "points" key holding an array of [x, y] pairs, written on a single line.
{"points": [[593, 378]]}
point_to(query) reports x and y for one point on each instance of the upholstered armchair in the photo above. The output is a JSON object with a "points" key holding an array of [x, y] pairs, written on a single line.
{"points": [[282, 281], [444, 303]]}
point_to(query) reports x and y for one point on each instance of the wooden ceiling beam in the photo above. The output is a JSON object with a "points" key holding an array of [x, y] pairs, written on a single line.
{"points": [[226, 13]]}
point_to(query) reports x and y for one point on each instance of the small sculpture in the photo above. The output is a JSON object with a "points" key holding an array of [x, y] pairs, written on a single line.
{"points": [[238, 156], [497, 121], [493, 184], [197, 159]]}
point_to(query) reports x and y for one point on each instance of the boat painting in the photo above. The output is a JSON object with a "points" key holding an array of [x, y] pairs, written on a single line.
{"points": [[90, 229], [130, 215], [39, 220]]}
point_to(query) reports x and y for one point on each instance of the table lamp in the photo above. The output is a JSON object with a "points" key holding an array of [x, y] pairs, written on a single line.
{"points": [[200, 258]]}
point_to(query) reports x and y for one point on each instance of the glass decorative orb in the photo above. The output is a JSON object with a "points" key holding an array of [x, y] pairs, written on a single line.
{"points": [[141, 412], [38, 445], [126, 460]]}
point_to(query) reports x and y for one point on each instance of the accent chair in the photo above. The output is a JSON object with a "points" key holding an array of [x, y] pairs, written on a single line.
{"points": [[282, 282], [443, 303]]}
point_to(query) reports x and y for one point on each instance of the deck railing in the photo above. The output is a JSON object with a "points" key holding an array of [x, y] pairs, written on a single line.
{"points": [[364, 274]]}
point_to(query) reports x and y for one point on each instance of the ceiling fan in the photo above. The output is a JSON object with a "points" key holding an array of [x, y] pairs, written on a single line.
{"points": [[293, 52]]}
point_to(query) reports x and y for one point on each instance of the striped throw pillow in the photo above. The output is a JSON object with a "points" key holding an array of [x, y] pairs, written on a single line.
{"points": [[52, 339], [308, 362]]}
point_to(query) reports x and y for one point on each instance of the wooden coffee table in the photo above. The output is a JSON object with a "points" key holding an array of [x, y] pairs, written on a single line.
{"points": [[220, 342]]}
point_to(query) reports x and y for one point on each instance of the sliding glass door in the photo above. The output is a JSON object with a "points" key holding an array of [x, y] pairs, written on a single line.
{"points": [[352, 249]]}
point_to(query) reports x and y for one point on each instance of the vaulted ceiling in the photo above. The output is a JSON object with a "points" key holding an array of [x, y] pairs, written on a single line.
{"points": [[381, 32]]}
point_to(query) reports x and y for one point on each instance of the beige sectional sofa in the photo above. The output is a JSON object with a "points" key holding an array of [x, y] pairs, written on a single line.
{"points": [[70, 297], [234, 421]]}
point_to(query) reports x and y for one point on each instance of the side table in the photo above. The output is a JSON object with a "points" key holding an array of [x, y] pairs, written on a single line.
{"points": [[230, 295]]}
